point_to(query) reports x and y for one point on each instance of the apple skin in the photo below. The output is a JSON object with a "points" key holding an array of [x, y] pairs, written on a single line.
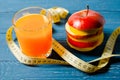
{"points": [[83, 21]]}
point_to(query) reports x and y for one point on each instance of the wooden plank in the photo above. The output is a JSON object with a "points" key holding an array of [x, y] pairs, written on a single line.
{"points": [[9, 65], [14, 71], [112, 22], [107, 5], [11, 69]]}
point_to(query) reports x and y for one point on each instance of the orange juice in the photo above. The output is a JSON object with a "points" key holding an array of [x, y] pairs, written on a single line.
{"points": [[34, 33]]}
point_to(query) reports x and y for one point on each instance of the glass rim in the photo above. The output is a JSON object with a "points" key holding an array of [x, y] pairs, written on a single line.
{"points": [[17, 12]]}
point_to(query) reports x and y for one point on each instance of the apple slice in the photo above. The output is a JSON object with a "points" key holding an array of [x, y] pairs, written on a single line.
{"points": [[71, 29], [90, 39], [81, 44], [85, 49], [81, 34]]}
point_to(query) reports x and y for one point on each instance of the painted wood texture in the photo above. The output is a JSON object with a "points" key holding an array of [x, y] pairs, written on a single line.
{"points": [[11, 69]]}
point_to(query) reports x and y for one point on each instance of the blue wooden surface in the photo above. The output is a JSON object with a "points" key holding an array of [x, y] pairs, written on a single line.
{"points": [[11, 69]]}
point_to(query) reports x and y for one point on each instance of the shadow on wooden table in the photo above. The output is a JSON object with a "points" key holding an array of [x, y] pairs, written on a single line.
{"points": [[96, 52]]}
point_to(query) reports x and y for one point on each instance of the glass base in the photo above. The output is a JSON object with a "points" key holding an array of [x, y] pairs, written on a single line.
{"points": [[49, 52], [42, 56]]}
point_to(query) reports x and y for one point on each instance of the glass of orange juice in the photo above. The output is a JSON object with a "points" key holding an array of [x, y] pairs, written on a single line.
{"points": [[34, 31]]}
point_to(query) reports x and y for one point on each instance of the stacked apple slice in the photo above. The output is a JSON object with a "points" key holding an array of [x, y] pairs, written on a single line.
{"points": [[85, 30]]}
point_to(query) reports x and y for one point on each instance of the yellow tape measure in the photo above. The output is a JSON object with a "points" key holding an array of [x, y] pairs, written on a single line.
{"points": [[57, 13], [69, 58]]}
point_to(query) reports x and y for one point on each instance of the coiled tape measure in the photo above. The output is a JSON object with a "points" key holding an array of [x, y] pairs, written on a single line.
{"points": [[69, 58]]}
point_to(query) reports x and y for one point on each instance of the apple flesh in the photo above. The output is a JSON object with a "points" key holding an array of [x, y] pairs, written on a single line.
{"points": [[90, 39]]}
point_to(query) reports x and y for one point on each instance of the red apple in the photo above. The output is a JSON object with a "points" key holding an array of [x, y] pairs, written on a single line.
{"points": [[86, 20]]}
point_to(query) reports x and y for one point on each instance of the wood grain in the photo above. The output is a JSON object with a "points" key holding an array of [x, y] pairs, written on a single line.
{"points": [[11, 69]]}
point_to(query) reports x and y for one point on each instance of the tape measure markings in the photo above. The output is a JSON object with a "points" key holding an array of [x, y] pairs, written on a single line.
{"points": [[25, 59], [65, 54], [104, 57], [57, 13], [69, 58], [109, 48]]}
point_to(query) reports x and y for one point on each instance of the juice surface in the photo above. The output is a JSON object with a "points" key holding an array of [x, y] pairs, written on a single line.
{"points": [[34, 33]]}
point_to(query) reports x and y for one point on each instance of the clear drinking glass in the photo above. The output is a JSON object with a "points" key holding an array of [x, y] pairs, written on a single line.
{"points": [[33, 28]]}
